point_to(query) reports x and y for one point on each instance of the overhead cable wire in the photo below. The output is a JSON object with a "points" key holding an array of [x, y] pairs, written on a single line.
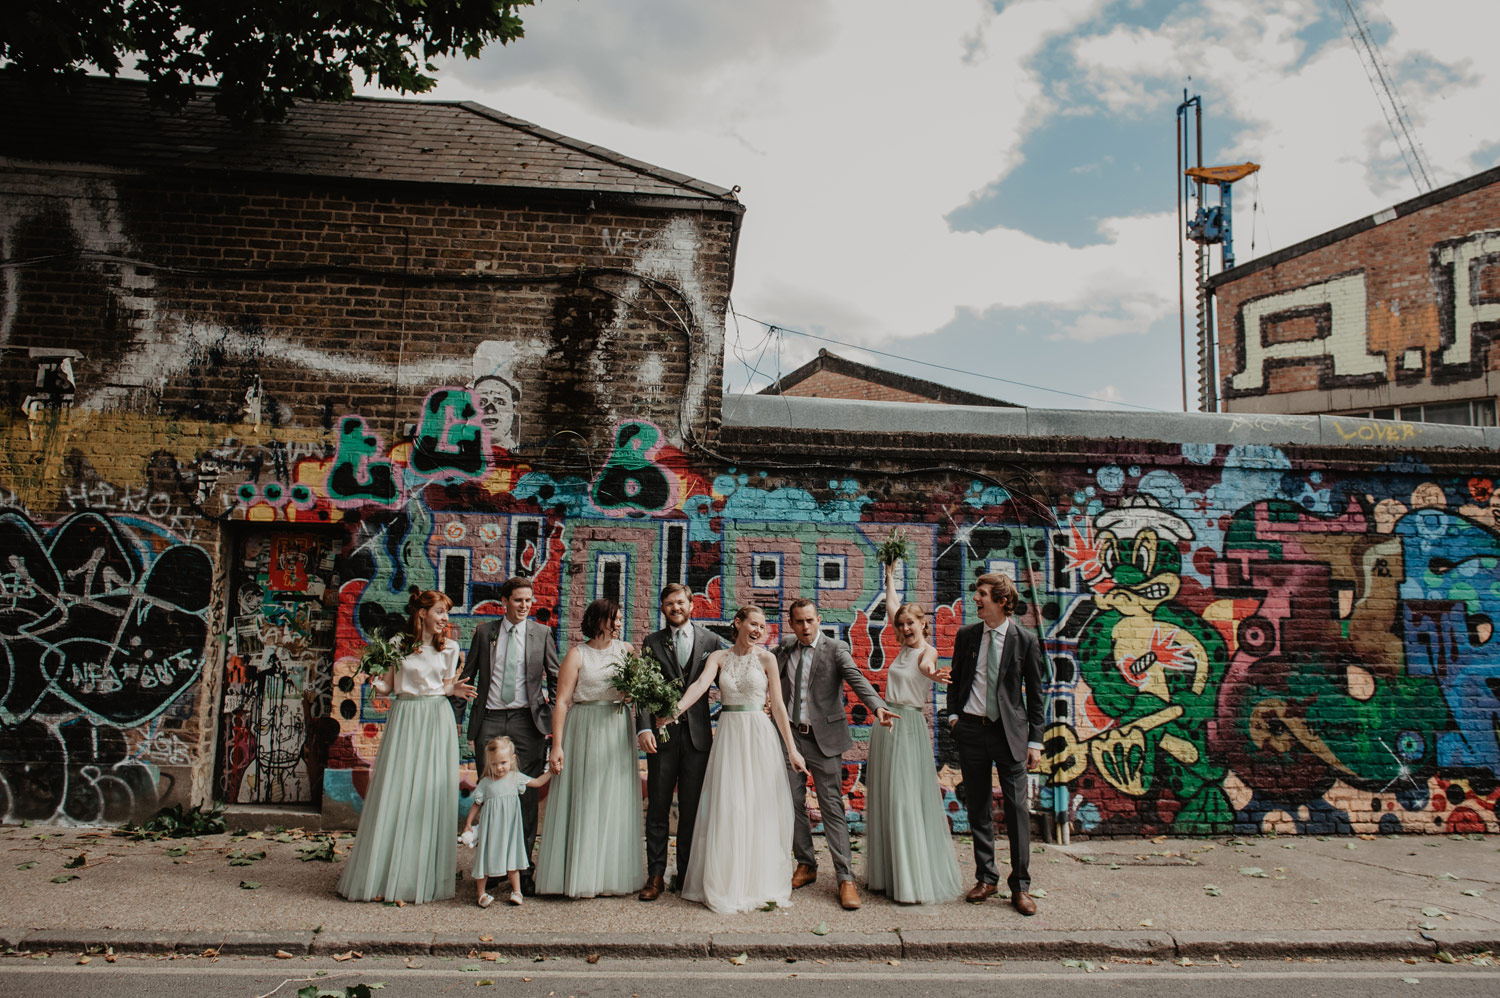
{"points": [[927, 363]]}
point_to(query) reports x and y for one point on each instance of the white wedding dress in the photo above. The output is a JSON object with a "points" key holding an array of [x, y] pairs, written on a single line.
{"points": [[742, 846]]}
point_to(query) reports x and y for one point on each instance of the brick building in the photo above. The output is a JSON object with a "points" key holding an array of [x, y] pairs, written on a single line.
{"points": [[830, 376], [1393, 316], [259, 384]]}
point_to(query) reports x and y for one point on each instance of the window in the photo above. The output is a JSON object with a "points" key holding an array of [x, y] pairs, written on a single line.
{"points": [[1472, 412]]}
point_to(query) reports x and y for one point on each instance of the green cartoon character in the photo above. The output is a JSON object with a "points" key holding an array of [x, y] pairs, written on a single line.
{"points": [[1154, 667]]}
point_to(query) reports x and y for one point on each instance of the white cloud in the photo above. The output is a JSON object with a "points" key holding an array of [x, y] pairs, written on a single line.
{"points": [[855, 126]]}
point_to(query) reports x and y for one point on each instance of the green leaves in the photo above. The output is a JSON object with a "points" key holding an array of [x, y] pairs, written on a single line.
{"points": [[893, 550], [821, 929], [382, 655], [249, 885], [263, 62], [63, 878], [26, 866], [238, 857], [319, 850], [177, 822], [77, 861]]}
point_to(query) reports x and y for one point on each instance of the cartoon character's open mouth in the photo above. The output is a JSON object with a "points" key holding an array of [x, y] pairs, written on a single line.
{"points": [[1154, 591]]}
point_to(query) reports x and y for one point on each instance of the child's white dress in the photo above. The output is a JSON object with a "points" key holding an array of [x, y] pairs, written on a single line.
{"points": [[499, 845]]}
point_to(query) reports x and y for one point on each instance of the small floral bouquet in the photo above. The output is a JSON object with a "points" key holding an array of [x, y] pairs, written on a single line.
{"points": [[893, 550], [382, 654], [640, 679]]}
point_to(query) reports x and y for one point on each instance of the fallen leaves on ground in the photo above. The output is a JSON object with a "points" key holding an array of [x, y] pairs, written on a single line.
{"points": [[352, 954], [249, 885], [282, 954], [821, 929], [739, 960], [63, 878]]}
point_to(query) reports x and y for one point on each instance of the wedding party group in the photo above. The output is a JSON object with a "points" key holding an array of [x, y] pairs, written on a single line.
{"points": [[744, 836]]}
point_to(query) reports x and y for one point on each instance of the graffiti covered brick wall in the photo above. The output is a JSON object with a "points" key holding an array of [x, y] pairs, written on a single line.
{"points": [[1236, 642], [1397, 310]]}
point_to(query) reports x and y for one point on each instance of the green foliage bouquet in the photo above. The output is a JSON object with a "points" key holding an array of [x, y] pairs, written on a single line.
{"points": [[382, 654], [893, 550], [640, 679]]}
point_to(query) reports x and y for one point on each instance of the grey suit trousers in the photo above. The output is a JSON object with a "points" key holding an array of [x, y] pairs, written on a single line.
{"points": [[828, 780]]}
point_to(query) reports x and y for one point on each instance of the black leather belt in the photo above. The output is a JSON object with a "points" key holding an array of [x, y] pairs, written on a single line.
{"points": [[978, 718], [802, 729]]}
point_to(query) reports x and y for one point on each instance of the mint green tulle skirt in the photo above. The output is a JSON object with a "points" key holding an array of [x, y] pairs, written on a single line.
{"points": [[406, 848], [908, 846], [593, 839]]}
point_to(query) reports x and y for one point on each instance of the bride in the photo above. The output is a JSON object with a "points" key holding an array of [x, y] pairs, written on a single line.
{"points": [[742, 846]]}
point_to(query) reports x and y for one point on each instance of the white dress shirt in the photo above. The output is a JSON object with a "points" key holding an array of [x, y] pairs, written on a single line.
{"points": [[978, 702], [797, 653], [508, 632]]}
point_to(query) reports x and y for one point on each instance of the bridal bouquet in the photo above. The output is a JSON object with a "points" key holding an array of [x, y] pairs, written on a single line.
{"points": [[639, 678], [382, 654]]}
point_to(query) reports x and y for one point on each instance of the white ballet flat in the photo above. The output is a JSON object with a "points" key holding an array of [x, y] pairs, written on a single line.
{"points": [[515, 897], [485, 900]]}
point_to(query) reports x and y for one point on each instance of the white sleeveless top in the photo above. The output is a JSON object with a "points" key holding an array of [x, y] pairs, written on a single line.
{"points": [[904, 683], [596, 673]]}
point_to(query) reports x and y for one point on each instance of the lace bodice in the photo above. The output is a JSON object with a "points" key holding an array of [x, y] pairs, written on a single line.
{"points": [[742, 680], [596, 670], [905, 683]]}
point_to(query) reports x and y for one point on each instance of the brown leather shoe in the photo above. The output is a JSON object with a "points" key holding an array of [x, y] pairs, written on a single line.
{"points": [[848, 895], [803, 875], [652, 890], [1023, 902], [981, 891]]}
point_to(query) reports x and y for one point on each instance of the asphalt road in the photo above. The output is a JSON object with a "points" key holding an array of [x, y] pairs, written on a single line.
{"points": [[144, 977]]}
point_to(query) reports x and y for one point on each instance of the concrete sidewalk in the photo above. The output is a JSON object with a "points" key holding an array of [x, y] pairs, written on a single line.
{"points": [[1157, 899]]}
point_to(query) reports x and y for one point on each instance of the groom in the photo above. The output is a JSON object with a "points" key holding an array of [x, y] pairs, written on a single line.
{"points": [[814, 669], [678, 764]]}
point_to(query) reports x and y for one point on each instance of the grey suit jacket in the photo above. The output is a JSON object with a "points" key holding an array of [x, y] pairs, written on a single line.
{"points": [[832, 666], [1022, 673], [705, 643], [541, 672]]}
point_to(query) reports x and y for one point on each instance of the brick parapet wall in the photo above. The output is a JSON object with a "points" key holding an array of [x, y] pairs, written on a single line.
{"points": [[1376, 309]]}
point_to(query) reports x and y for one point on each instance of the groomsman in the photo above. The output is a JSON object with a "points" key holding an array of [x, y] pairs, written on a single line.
{"points": [[513, 663], [814, 670], [997, 662], [678, 764]]}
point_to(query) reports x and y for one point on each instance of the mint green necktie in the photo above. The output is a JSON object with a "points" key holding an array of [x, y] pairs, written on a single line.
{"points": [[684, 650], [992, 696], [512, 668], [802, 653]]}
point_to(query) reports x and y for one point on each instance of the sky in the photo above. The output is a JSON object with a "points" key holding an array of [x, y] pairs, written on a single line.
{"points": [[983, 191]]}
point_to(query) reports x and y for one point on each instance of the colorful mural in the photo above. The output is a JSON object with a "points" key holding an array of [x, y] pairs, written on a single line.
{"points": [[1236, 643]]}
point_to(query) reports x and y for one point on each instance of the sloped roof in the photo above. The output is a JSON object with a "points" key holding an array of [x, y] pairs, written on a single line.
{"points": [[827, 361], [109, 122]]}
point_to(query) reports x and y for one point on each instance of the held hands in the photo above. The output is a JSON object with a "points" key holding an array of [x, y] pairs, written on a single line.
{"points": [[646, 741], [555, 759], [886, 716]]}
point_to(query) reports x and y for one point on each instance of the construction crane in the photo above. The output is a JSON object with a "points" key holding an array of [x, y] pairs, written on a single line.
{"points": [[1384, 84], [1208, 225]]}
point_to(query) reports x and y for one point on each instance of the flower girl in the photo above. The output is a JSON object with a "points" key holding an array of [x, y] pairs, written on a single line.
{"points": [[500, 847]]}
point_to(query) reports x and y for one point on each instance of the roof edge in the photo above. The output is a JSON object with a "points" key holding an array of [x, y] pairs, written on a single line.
{"points": [[600, 152], [1482, 179], [829, 361]]}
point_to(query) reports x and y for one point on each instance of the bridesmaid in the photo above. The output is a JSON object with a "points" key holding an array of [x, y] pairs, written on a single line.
{"points": [[405, 848], [593, 838], [909, 848]]}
